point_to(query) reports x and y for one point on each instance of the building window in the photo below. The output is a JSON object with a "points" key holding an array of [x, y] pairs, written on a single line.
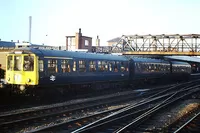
{"points": [[86, 43], [65, 66], [52, 66], [82, 66], [92, 66]]}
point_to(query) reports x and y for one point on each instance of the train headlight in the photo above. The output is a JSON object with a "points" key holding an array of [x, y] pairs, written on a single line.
{"points": [[22, 87], [28, 80]]}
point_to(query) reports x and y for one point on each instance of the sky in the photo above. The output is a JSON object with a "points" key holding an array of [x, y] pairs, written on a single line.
{"points": [[106, 18]]}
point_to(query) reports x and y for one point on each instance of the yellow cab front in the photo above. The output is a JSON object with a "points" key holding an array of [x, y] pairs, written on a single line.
{"points": [[21, 69]]}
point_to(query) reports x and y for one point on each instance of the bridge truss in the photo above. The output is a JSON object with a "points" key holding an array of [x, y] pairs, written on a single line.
{"points": [[173, 44]]}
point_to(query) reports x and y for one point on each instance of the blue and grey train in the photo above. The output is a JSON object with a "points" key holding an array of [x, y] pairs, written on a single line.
{"points": [[32, 68]]}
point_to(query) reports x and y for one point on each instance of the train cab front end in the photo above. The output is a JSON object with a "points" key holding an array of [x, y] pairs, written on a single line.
{"points": [[21, 70]]}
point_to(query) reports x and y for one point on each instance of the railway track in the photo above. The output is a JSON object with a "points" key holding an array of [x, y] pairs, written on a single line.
{"points": [[133, 108], [20, 120], [80, 112], [130, 120], [90, 118]]}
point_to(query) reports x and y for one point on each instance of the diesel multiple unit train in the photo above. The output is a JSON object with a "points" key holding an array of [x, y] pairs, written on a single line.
{"points": [[36, 68]]}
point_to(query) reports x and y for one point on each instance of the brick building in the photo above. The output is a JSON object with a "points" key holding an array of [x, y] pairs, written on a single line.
{"points": [[78, 42]]}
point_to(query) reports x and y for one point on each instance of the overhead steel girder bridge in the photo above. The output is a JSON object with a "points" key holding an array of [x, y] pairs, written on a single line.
{"points": [[171, 44]]}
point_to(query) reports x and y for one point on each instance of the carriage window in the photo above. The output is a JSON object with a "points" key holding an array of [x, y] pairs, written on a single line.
{"points": [[74, 66], [28, 63], [65, 65], [82, 66], [167, 68], [52, 66], [115, 66], [9, 63], [100, 66], [18, 63], [41, 65], [122, 66], [105, 65], [126, 66], [110, 66], [138, 66], [92, 66]]}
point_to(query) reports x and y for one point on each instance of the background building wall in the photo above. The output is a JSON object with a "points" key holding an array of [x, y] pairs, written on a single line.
{"points": [[78, 42]]}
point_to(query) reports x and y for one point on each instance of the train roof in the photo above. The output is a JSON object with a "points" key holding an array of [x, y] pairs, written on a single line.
{"points": [[140, 59], [179, 63], [184, 58], [7, 44], [71, 54]]}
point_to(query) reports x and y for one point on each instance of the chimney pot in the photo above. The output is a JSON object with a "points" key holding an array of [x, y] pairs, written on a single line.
{"points": [[79, 30]]}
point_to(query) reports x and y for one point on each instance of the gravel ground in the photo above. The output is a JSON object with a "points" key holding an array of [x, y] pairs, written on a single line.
{"points": [[171, 114], [67, 118], [68, 102]]}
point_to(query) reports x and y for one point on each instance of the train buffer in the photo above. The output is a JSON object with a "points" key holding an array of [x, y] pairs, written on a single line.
{"points": [[2, 83]]}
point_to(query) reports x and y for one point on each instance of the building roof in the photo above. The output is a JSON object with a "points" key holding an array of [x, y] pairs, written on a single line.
{"points": [[86, 36], [7, 44], [70, 36], [114, 39], [184, 58]]}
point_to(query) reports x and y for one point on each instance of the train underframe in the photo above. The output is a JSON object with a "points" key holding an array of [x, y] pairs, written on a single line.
{"points": [[65, 88], [82, 88]]}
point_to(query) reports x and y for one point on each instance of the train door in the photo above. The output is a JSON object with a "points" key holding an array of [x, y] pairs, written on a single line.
{"points": [[131, 69], [41, 70], [9, 69]]}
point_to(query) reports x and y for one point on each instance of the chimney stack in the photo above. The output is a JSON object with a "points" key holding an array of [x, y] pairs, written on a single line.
{"points": [[30, 26], [97, 41], [18, 41], [79, 37], [79, 30]]}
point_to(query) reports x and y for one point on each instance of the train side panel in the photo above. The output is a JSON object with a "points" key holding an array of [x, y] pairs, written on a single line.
{"points": [[147, 69], [76, 75], [180, 71]]}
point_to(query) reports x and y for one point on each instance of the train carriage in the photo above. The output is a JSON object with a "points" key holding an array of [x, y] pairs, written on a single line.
{"points": [[180, 70], [148, 69], [36, 67], [32, 67]]}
